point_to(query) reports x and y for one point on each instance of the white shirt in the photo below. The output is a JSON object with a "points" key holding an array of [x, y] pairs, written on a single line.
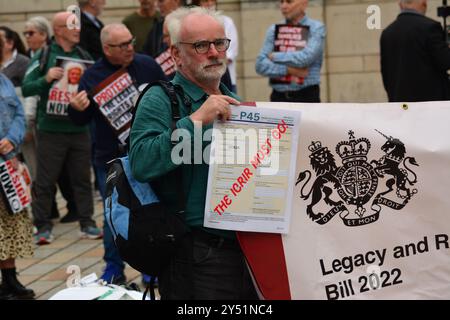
{"points": [[232, 52], [7, 63]]}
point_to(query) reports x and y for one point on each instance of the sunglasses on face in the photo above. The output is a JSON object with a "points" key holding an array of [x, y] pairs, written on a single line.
{"points": [[29, 33], [203, 46]]}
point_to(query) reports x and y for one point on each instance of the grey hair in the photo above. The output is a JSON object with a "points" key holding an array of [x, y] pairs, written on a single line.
{"points": [[41, 24], [175, 19], [105, 34]]}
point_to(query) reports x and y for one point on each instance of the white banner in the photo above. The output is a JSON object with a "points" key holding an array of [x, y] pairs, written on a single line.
{"points": [[371, 209]]}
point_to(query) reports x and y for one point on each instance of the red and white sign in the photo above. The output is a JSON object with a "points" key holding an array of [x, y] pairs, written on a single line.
{"points": [[65, 88], [115, 97], [166, 62], [289, 38], [15, 185]]}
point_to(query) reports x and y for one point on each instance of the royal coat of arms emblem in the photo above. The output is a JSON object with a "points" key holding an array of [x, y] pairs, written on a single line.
{"points": [[357, 181]]}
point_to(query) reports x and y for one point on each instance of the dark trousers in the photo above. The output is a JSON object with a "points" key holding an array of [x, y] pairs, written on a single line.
{"points": [[67, 193], [207, 267], [309, 94], [54, 150]]}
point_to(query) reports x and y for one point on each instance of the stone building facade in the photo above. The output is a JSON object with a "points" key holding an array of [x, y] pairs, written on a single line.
{"points": [[351, 71]]}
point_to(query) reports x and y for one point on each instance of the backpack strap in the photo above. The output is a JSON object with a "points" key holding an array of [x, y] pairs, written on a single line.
{"points": [[43, 59], [172, 91]]}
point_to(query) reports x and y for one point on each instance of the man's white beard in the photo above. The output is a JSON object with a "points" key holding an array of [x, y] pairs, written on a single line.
{"points": [[211, 75]]}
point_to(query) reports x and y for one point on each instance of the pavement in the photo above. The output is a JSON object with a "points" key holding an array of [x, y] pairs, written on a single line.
{"points": [[47, 271]]}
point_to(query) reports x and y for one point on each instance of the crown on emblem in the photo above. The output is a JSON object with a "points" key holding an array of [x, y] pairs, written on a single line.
{"points": [[315, 146], [353, 149]]}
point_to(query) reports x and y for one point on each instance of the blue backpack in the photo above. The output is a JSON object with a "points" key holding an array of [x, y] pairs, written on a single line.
{"points": [[145, 232]]}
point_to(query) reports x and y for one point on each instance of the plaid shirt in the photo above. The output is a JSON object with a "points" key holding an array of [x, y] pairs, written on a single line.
{"points": [[311, 57]]}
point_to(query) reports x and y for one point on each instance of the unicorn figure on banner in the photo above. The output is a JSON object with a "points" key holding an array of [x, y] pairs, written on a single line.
{"points": [[389, 164]]}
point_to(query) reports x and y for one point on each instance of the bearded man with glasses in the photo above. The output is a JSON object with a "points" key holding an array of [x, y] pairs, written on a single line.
{"points": [[209, 263]]}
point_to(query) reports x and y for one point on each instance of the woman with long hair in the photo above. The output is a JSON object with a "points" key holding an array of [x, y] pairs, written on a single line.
{"points": [[15, 61]]}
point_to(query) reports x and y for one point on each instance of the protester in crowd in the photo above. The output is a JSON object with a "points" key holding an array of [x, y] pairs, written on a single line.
{"points": [[170, 73], [158, 43], [214, 266], [15, 230], [118, 55], [91, 26], [415, 57], [14, 65], [304, 64], [37, 33], [142, 21], [15, 61], [154, 44], [231, 33], [59, 141]]}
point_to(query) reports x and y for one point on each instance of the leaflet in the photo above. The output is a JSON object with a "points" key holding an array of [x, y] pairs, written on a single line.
{"points": [[252, 170]]}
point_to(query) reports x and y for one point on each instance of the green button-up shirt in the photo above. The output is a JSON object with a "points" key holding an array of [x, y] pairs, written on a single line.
{"points": [[151, 148]]}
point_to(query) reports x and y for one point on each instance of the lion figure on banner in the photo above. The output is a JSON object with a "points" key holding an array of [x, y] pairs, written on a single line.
{"points": [[324, 165]]}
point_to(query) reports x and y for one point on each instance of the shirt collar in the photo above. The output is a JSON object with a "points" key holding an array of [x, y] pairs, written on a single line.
{"points": [[116, 66], [92, 18], [411, 11], [303, 21], [60, 49], [192, 90], [11, 60]]}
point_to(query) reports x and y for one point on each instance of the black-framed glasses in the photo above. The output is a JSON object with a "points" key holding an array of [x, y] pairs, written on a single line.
{"points": [[125, 45], [28, 33], [203, 46]]}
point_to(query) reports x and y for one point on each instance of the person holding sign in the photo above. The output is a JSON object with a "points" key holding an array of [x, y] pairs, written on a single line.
{"points": [[59, 141], [72, 75], [15, 229], [106, 95], [209, 263], [292, 55]]}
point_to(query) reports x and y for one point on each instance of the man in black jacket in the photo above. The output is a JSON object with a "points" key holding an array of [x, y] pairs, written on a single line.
{"points": [[91, 26], [119, 55], [155, 44], [415, 57]]}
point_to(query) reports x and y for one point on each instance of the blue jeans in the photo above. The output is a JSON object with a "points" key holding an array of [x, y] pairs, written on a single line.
{"points": [[111, 255]]}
